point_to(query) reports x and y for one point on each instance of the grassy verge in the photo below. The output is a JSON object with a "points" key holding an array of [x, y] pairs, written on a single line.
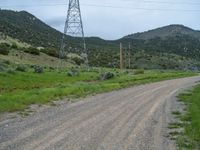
{"points": [[186, 131], [21, 89], [190, 121]]}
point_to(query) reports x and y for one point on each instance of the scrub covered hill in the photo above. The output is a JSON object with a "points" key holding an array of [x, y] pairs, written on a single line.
{"points": [[152, 49]]}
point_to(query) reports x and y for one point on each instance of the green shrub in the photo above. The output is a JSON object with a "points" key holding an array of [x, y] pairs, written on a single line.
{"points": [[107, 76], [139, 71], [73, 72], [7, 62], [126, 72], [21, 68], [51, 52], [51, 68], [11, 71], [2, 67], [38, 69], [32, 50], [14, 46], [78, 60], [4, 48]]}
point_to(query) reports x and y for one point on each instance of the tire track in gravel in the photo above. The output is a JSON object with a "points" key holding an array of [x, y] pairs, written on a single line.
{"points": [[133, 118]]}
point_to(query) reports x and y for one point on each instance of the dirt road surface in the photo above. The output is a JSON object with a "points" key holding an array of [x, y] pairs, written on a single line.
{"points": [[129, 119]]}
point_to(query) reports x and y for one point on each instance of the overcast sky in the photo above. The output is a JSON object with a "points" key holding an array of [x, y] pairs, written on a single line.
{"points": [[118, 18]]}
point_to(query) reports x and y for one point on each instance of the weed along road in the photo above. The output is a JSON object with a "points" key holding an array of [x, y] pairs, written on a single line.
{"points": [[129, 119]]}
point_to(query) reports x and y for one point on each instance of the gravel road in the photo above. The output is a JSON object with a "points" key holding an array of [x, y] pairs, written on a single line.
{"points": [[129, 119]]}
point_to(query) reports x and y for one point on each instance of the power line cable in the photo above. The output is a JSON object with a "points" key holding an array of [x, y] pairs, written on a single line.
{"points": [[141, 8], [143, 1], [165, 2], [107, 6]]}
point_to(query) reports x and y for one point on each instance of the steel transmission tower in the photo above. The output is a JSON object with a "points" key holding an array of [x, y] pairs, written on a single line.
{"points": [[74, 28]]}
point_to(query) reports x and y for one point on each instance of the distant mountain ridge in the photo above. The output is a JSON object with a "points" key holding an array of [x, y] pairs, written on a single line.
{"points": [[25, 26], [166, 31], [146, 46]]}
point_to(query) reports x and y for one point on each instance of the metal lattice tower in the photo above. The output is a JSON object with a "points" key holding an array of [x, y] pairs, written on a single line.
{"points": [[74, 28]]}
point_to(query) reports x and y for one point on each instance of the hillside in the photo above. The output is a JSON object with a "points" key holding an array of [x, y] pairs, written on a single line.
{"points": [[164, 32], [27, 28], [147, 47], [172, 39]]}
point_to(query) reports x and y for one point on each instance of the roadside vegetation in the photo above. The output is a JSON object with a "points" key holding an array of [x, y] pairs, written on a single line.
{"points": [[189, 122], [23, 85], [28, 74]]}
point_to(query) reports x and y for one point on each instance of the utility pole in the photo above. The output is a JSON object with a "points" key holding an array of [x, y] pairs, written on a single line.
{"points": [[129, 56], [121, 57], [74, 28], [125, 56]]}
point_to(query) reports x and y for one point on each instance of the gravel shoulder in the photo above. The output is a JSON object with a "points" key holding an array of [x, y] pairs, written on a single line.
{"points": [[134, 118]]}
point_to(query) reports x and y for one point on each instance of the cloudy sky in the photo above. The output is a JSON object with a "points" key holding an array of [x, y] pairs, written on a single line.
{"points": [[112, 19]]}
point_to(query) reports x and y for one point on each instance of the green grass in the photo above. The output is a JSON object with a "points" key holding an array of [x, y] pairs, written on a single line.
{"points": [[26, 81], [19, 90], [175, 125], [177, 113], [190, 138]]}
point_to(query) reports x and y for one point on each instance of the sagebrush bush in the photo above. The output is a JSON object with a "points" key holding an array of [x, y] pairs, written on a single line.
{"points": [[14, 46], [126, 72], [139, 71], [2, 67], [4, 48], [51, 52], [38, 69], [22, 68], [7, 62], [51, 68], [73, 72], [107, 76], [32, 50], [11, 71]]}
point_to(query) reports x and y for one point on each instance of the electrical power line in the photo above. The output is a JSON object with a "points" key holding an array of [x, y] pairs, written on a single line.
{"points": [[143, 1], [165, 2], [141, 8], [109, 6]]}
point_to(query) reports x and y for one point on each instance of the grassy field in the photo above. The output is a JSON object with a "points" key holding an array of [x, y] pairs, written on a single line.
{"points": [[20, 89], [190, 121]]}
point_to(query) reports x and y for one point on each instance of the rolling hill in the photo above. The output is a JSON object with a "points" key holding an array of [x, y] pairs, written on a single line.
{"points": [[152, 49], [164, 32]]}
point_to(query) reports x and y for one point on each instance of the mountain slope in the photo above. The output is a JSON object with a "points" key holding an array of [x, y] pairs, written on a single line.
{"points": [[27, 28], [174, 39], [167, 31]]}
